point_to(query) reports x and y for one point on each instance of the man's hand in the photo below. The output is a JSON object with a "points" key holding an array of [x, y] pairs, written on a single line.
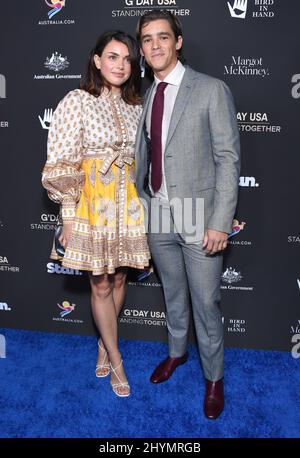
{"points": [[214, 241], [65, 234]]}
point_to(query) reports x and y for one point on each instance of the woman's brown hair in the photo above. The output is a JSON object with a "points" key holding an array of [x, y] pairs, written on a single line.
{"points": [[93, 82]]}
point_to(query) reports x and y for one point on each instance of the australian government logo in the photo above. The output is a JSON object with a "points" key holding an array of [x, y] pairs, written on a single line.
{"points": [[56, 63], [257, 123], [53, 9], [246, 9], [136, 8], [143, 317], [5, 266], [232, 277], [246, 66]]}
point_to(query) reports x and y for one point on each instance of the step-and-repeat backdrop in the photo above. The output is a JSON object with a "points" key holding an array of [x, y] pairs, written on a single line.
{"points": [[254, 47]]}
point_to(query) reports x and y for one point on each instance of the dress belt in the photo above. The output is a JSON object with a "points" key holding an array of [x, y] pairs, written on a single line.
{"points": [[117, 155]]}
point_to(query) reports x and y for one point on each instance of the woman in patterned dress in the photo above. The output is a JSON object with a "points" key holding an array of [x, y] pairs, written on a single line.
{"points": [[90, 172]]}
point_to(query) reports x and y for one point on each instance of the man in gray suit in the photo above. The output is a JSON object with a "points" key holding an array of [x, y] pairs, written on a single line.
{"points": [[187, 173]]}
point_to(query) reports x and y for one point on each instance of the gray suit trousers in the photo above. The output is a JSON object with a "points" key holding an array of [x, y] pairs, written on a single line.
{"points": [[186, 272]]}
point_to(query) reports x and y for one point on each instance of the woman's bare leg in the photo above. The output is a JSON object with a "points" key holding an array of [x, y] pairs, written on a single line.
{"points": [[105, 316], [119, 291]]}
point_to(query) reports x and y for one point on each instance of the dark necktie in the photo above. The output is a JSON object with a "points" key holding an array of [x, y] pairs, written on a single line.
{"points": [[156, 130]]}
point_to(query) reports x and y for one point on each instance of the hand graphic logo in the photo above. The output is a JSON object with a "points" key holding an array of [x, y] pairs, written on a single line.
{"points": [[239, 9], [45, 122]]}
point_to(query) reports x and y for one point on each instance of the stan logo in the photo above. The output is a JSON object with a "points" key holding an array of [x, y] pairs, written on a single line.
{"points": [[296, 88], [46, 120], [239, 9], [231, 276], [56, 7], [56, 62], [66, 308], [248, 182], [54, 268], [5, 306], [236, 227], [2, 87]]}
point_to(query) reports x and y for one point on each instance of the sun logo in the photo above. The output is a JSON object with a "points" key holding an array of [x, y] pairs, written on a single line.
{"points": [[55, 6]]}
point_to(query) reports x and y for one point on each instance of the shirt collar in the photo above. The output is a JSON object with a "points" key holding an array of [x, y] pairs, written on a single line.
{"points": [[174, 77]]}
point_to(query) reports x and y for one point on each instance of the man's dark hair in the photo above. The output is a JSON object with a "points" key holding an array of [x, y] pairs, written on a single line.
{"points": [[155, 15]]}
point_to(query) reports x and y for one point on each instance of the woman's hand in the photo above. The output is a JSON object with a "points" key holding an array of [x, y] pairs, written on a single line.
{"points": [[65, 234]]}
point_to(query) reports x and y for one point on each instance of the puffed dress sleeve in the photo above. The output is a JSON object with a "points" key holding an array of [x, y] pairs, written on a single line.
{"points": [[62, 175]]}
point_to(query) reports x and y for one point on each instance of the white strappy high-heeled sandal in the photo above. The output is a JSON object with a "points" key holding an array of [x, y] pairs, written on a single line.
{"points": [[120, 384], [104, 368]]}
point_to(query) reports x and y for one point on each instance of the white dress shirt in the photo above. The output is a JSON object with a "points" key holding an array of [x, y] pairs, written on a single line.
{"points": [[174, 80]]}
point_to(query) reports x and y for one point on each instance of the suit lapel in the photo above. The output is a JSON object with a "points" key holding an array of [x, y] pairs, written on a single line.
{"points": [[180, 103], [146, 105], [139, 146]]}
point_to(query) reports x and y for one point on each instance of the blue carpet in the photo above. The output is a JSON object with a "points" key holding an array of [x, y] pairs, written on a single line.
{"points": [[48, 389]]}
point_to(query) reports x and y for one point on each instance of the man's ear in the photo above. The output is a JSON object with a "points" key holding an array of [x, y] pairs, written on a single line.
{"points": [[179, 43]]}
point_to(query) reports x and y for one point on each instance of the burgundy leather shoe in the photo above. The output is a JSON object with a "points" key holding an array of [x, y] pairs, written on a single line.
{"points": [[214, 399], [166, 368]]}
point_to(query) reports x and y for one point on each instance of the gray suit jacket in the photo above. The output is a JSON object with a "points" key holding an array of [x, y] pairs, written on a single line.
{"points": [[202, 154]]}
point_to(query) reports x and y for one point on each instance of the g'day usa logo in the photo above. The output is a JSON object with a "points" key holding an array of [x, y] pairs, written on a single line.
{"points": [[135, 8]]}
